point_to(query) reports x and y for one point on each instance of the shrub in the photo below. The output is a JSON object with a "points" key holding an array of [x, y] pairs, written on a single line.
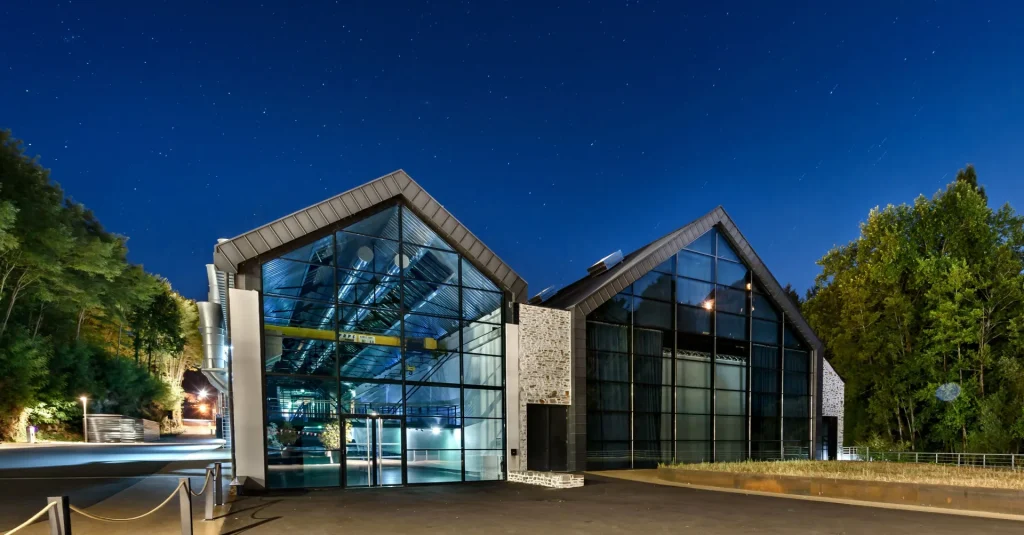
{"points": [[331, 436]]}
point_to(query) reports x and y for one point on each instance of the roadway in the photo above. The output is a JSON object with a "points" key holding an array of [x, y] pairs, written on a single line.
{"points": [[92, 473]]}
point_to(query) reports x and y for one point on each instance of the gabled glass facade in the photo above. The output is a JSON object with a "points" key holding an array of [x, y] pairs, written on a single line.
{"points": [[693, 362], [383, 360]]}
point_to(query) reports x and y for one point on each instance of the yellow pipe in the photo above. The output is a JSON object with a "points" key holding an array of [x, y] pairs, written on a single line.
{"points": [[350, 337]]}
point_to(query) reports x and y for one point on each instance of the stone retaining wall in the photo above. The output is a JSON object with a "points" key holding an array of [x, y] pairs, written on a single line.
{"points": [[939, 496], [555, 480]]}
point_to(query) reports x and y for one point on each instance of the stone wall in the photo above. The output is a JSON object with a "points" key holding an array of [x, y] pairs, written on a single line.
{"points": [[545, 359], [832, 397], [555, 480]]}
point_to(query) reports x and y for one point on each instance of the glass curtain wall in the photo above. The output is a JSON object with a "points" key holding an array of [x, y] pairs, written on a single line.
{"points": [[796, 398], [686, 365], [383, 348]]}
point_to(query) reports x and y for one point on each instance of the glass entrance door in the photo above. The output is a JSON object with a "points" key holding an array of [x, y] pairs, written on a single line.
{"points": [[373, 452]]}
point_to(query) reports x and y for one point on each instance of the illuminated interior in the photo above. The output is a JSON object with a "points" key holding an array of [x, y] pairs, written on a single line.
{"points": [[693, 362], [383, 359]]}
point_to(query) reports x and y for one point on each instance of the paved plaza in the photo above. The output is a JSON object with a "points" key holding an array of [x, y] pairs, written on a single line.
{"points": [[604, 505]]}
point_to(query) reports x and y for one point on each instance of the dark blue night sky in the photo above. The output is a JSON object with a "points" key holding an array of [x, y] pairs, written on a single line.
{"points": [[557, 131]]}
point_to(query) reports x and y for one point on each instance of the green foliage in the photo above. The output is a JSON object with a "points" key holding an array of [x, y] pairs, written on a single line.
{"points": [[157, 325], [58, 434], [279, 438], [331, 436], [929, 294], [273, 442], [22, 365], [287, 435], [55, 413], [70, 307]]}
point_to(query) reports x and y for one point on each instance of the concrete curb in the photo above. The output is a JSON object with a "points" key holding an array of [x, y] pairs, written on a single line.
{"points": [[1003, 501]]}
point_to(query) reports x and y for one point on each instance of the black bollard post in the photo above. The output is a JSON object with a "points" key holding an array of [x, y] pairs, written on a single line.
{"points": [[185, 505], [218, 488]]}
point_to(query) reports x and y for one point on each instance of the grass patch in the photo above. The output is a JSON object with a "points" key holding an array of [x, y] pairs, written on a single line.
{"points": [[929, 474]]}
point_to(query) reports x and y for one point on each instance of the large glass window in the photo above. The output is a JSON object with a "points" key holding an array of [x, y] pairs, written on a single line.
{"points": [[688, 364], [796, 403], [382, 341]]}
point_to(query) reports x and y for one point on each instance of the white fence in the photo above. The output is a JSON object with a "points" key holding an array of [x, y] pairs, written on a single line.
{"points": [[1010, 461], [117, 428]]}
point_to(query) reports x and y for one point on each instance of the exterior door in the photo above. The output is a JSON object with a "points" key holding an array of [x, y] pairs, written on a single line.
{"points": [[546, 438], [829, 438], [373, 452]]}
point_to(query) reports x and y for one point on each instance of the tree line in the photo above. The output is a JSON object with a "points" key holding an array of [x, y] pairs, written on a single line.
{"points": [[923, 317], [76, 318]]}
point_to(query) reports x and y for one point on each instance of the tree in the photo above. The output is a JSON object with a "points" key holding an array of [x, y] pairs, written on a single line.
{"points": [[22, 365], [188, 357], [926, 295], [95, 261], [793, 295], [43, 240], [157, 326], [68, 299], [131, 291]]}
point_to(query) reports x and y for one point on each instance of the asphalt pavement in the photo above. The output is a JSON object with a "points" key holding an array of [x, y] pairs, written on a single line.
{"points": [[94, 474], [603, 505]]}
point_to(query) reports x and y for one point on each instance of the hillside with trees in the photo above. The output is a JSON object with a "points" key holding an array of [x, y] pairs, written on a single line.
{"points": [[76, 318], [923, 316]]}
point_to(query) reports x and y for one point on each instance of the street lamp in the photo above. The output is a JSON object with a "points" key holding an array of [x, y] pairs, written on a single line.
{"points": [[85, 422], [202, 394]]}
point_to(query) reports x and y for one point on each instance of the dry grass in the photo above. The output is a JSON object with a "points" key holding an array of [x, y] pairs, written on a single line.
{"points": [[931, 474]]}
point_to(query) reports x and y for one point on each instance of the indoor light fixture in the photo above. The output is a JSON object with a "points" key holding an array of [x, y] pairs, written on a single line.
{"points": [[435, 430]]}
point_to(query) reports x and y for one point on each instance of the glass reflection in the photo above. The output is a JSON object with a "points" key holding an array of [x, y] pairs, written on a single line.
{"points": [[396, 322], [643, 405]]}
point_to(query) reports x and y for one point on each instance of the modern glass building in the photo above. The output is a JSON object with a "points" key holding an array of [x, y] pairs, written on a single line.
{"points": [[383, 359], [380, 339], [372, 340], [687, 350]]}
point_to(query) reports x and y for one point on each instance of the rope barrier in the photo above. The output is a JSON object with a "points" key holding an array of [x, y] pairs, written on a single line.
{"points": [[206, 483], [31, 520], [107, 519], [186, 501]]}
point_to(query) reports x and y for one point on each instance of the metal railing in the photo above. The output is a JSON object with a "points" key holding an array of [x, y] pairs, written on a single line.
{"points": [[1011, 461], [59, 508]]}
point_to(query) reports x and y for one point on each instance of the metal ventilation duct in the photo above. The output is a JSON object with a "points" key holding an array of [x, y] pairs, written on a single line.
{"points": [[211, 328]]}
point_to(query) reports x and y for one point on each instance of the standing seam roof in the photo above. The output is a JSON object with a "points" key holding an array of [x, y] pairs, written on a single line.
{"points": [[591, 292], [229, 254]]}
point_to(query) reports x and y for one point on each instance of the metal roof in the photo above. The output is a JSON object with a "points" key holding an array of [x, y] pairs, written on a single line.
{"points": [[229, 254], [592, 291]]}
